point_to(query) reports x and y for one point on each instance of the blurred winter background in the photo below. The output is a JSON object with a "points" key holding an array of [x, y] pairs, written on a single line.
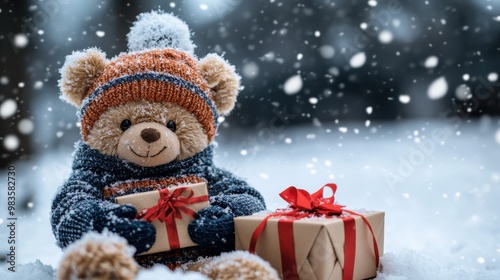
{"points": [[395, 101]]}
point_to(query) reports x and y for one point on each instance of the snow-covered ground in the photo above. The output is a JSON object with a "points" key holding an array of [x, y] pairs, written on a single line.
{"points": [[438, 184]]}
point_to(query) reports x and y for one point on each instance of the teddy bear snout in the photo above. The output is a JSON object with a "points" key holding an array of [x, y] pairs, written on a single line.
{"points": [[148, 144], [150, 135]]}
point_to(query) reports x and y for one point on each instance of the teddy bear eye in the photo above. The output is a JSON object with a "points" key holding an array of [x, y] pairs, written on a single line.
{"points": [[126, 124], [172, 126]]}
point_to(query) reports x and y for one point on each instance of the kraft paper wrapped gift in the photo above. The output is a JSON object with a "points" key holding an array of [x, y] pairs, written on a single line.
{"points": [[170, 211], [319, 245], [314, 238]]}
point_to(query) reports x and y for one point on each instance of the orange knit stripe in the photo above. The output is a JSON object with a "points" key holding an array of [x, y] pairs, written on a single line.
{"points": [[156, 91], [175, 63], [124, 187]]}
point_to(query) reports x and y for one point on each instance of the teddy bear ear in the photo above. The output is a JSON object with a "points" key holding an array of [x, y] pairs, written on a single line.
{"points": [[222, 80], [79, 72]]}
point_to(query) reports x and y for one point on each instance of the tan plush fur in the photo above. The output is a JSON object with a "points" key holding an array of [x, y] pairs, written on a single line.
{"points": [[79, 72], [98, 260], [236, 265], [163, 146], [105, 134], [222, 80]]}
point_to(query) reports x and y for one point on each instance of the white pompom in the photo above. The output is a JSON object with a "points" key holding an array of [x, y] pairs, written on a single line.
{"points": [[157, 29]]}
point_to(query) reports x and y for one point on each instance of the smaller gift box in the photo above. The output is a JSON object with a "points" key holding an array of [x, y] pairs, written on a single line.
{"points": [[314, 238], [170, 211]]}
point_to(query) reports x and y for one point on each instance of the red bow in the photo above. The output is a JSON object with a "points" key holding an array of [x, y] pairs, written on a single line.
{"points": [[169, 208], [313, 203], [300, 200], [171, 205]]}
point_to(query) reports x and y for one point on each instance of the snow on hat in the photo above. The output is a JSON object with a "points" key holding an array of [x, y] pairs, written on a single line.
{"points": [[159, 30], [160, 67]]}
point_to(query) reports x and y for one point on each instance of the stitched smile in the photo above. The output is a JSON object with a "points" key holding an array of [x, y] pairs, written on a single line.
{"points": [[147, 155]]}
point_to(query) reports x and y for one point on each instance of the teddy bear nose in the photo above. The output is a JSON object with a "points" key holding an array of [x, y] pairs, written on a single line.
{"points": [[150, 135]]}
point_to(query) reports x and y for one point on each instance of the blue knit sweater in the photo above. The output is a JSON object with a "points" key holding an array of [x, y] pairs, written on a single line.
{"points": [[86, 202]]}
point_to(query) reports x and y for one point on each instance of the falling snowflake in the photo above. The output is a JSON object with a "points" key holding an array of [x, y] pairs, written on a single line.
{"points": [[250, 70], [21, 40], [497, 136], [38, 85], [405, 99], [462, 92], [492, 77], [25, 126], [358, 60], [385, 36], [4, 80], [8, 108], [293, 85], [327, 51], [11, 142], [438, 88], [431, 61]]}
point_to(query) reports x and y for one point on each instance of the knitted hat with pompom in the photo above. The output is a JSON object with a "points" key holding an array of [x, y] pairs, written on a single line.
{"points": [[159, 67]]}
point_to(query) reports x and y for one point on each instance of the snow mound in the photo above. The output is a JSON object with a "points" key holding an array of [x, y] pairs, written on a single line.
{"points": [[39, 271], [162, 272], [157, 29], [31, 271], [410, 265]]}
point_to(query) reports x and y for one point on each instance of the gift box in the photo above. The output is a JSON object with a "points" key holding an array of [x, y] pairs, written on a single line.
{"points": [[170, 211], [305, 244]]}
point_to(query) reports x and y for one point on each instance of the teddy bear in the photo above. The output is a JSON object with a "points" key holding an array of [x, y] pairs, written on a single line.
{"points": [[148, 118]]}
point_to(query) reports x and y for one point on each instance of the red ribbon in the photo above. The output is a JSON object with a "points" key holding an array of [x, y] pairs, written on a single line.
{"points": [[169, 207], [301, 205], [315, 203], [350, 245]]}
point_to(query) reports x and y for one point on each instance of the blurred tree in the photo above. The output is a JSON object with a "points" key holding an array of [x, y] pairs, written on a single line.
{"points": [[16, 29]]}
